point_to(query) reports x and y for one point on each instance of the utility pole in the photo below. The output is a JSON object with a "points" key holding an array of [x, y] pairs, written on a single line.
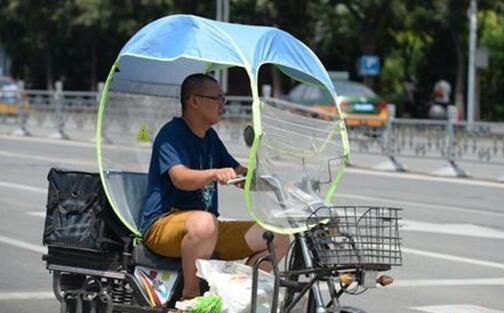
{"points": [[218, 12], [473, 28], [222, 14]]}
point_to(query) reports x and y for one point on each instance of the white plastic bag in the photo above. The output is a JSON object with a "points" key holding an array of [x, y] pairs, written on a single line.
{"points": [[232, 281]]}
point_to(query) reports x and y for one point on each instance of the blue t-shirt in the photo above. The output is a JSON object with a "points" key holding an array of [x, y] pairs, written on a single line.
{"points": [[177, 144]]}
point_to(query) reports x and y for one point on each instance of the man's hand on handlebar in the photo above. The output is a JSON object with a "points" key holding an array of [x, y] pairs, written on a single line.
{"points": [[223, 175], [238, 181]]}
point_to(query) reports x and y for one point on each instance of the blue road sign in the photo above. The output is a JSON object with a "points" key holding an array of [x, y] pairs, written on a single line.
{"points": [[369, 65]]}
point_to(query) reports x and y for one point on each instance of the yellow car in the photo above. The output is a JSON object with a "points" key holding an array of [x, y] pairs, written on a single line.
{"points": [[360, 105], [8, 96]]}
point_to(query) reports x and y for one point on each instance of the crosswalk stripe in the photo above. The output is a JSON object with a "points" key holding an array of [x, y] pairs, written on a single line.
{"points": [[23, 244], [26, 295], [448, 282], [5, 184], [458, 308], [453, 258], [52, 160]]}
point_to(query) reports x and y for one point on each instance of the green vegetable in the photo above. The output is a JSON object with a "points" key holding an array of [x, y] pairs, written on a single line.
{"points": [[207, 304]]}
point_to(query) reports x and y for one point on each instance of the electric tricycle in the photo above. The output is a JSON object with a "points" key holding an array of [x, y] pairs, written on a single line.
{"points": [[295, 159]]}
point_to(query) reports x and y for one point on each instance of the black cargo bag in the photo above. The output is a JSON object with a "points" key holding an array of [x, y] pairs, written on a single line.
{"points": [[79, 215]]}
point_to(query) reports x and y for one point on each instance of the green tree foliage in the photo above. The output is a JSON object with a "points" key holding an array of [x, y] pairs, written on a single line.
{"points": [[281, 14], [418, 41], [492, 37], [75, 41]]}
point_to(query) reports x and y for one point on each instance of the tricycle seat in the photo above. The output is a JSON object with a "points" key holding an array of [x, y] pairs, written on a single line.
{"points": [[143, 256]]}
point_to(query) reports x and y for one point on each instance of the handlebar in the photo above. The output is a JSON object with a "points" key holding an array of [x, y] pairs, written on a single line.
{"points": [[237, 179]]}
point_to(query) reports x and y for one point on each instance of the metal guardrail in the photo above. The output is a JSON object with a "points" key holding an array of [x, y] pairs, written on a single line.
{"points": [[448, 140]]}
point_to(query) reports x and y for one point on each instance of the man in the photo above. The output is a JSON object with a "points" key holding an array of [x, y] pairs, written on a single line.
{"points": [[181, 209], [442, 91]]}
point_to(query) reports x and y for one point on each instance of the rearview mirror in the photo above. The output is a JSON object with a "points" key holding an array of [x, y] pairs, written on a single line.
{"points": [[249, 135]]}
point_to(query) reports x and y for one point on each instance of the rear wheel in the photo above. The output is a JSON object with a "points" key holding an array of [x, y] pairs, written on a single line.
{"points": [[80, 293], [66, 281]]}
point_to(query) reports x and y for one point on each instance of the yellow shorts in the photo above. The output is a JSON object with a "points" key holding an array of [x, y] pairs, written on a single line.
{"points": [[164, 237]]}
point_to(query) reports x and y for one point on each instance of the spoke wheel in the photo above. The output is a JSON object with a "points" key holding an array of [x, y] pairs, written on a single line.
{"points": [[295, 262]]}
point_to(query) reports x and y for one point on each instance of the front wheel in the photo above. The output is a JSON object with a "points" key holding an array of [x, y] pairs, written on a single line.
{"points": [[310, 308], [351, 309], [295, 262]]}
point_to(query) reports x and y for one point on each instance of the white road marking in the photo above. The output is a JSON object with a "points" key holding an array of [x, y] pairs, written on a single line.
{"points": [[41, 249], [23, 244], [49, 140], [457, 308], [469, 230], [402, 203], [403, 283], [453, 258], [72, 161], [37, 213], [74, 143], [448, 282], [353, 170], [448, 257], [22, 187], [344, 195], [461, 181], [26, 295]]}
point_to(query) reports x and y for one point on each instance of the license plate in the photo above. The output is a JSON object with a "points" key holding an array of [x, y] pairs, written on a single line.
{"points": [[363, 107]]}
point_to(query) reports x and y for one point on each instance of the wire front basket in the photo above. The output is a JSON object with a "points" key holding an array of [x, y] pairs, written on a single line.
{"points": [[346, 237]]}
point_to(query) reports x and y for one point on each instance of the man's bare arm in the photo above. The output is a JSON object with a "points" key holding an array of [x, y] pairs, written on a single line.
{"points": [[188, 179]]}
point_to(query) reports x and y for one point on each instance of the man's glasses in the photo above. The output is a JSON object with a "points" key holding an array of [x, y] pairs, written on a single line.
{"points": [[221, 100]]}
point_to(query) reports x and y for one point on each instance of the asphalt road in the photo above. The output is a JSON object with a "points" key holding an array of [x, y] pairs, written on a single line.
{"points": [[453, 232]]}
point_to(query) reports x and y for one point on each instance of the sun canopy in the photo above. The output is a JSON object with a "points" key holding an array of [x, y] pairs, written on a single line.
{"points": [[195, 45], [295, 161]]}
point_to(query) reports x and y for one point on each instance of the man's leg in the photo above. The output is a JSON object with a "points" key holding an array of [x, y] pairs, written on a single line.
{"points": [[200, 238], [243, 239], [259, 247]]}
